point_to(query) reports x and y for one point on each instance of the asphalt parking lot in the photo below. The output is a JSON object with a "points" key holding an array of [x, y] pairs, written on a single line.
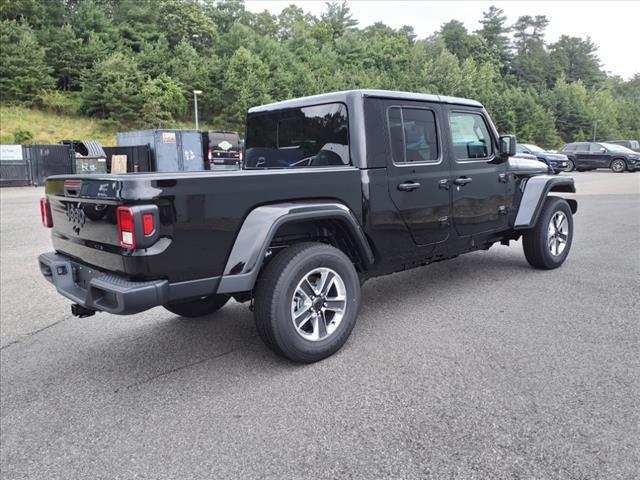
{"points": [[479, 367]]}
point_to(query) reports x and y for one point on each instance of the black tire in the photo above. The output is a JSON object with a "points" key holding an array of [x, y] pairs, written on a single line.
{"points": [[274, 301], [618, 165], [570, 166], [198, 307], [536, 241]]}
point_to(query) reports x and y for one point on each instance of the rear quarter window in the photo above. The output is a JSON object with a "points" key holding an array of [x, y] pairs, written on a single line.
{"points": [[313, 136]]}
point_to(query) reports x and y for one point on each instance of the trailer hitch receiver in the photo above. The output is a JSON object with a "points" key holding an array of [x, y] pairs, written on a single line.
{"points": [[81, 312]]}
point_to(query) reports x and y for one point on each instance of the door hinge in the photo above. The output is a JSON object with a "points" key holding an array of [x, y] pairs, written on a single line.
{"points": [[503, 177], [443, 221]]}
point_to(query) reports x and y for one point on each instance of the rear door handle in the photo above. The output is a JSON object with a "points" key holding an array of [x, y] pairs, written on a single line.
{"points": [[462, 180], [409, 186]]}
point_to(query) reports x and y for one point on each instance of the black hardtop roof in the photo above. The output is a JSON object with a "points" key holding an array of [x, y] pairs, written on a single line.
{"points": [[345, 95]]}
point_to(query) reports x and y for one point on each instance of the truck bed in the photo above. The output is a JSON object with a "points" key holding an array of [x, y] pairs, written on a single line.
{"points": [[200, 214]]}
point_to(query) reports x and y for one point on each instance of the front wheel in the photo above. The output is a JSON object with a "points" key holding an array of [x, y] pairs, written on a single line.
{"points": [[198, 307], [570, 166], [618, 165], [307, 300], [547, 245]]}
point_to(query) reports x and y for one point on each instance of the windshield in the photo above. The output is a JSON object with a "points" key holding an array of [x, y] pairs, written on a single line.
{"points": [[617, 148], [314, 136], [533, 148]]}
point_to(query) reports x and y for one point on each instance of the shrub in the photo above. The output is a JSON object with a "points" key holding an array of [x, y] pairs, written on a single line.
{"points": [[22, 136], [55, 101]]}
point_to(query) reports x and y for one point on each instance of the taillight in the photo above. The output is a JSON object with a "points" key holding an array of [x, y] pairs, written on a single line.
{"points": [[126, 228], [45, 212], [210, 155], [148, 226]]}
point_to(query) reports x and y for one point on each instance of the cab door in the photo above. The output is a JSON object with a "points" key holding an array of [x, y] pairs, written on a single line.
{"points": [[478, 179], [583, 156], [417, 170], [599, 156]]}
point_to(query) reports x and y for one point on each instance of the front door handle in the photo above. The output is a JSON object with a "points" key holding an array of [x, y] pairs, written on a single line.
{"points": [[409, 186], [462, 181]]}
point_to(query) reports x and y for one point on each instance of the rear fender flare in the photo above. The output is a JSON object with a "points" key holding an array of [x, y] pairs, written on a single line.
{"points": [[535, 192], [260, 226]]}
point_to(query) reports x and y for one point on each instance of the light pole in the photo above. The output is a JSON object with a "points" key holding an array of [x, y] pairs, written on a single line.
{"points": [[595, 129], [195, 104]]}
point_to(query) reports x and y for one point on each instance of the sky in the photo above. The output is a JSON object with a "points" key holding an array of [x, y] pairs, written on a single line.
{"points": [[614, 26]]}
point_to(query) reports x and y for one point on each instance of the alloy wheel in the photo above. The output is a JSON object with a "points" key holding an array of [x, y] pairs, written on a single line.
{"points": [[319, 303], [618, 166], [558, 233]]}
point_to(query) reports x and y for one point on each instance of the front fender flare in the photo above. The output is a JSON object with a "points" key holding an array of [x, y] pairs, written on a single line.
{"points": [[535, 191], [260, 226]]}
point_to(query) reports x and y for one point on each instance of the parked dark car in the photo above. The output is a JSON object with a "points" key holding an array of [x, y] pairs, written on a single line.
{"points": [[225, 150], [591, 155], [337, 189], [630, 144], [556, 161]]}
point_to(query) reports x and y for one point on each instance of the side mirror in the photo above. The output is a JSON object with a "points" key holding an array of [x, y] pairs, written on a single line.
{"points": [[507, 146], [603, 150]]}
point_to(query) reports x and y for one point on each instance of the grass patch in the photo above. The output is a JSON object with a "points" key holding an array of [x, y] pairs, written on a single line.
{"points": [[50, 127]]}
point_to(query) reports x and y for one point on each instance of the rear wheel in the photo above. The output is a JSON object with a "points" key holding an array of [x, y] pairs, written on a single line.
{"points": [[307, 300], [547, 245], [618, 165], [198, 307]]}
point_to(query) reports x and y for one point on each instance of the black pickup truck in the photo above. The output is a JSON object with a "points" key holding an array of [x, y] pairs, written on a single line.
{"points": [[336, 189]]}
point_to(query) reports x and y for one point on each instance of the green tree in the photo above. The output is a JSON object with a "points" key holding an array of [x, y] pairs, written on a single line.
{"points": [[570, 102], [245, 85], [23, 71], [185, 20], [338, 17], [162, 101], [575, 59], [530, 61], [495, 33], [113, 90], [224, 14], [65, 49]]}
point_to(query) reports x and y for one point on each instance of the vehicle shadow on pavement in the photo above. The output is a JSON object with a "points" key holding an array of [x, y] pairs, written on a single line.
{"points": [[124, 353], [128, 353]]}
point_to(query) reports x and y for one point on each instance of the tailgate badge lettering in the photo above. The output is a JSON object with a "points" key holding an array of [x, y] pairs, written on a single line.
{"points": [[76, 215], [103, 189]]}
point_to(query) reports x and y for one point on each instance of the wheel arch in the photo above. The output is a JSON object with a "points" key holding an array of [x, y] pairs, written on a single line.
{"points": [[277, 224], [536, 190]]}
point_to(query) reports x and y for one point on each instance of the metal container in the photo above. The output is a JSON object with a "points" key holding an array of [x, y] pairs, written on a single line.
{"points": [[172, 150], [138, 157], [14, 166], [89, 157], [47, 160]]}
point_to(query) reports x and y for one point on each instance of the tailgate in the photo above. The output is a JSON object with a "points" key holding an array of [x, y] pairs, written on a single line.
{"points": [[85, 224]]}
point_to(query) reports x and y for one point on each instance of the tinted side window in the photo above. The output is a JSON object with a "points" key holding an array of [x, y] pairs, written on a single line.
{"points": [[312, 136], [571, 147], [595, 148], [582, 147], [413, 135], [470, 136]]}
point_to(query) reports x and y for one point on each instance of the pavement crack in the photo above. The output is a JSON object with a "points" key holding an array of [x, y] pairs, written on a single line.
{"points": [[173, 370], [35, 332]]}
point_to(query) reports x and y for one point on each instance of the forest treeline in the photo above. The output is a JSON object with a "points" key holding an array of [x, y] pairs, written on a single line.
{"points": [[135, 63]]}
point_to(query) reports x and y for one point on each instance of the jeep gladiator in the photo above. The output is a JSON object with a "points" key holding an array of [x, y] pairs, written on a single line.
{"points": [[335, 189]]}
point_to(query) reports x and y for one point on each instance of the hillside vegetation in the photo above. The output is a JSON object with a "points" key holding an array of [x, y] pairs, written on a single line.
{"points": [[50, 127], [135, 64]]}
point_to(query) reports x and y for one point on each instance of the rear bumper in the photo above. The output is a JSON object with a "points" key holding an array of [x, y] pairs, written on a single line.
{"points": [[109, 292]]}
